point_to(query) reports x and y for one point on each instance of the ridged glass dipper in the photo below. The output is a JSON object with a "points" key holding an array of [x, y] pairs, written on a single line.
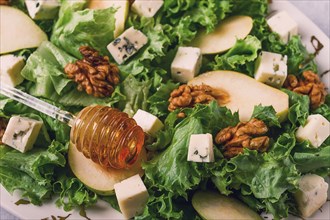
{"points": [[106, 135]]}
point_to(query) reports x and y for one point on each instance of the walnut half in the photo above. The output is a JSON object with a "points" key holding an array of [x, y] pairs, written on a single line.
{"points": [[244, 134], [310, 84], [94, 73], [189, 96]]}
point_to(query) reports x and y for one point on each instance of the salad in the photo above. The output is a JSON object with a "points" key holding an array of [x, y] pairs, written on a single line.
{"points": [[266, 179]]}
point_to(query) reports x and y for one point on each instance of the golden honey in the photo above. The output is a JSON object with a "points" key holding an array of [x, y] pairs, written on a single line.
{"points": [[107, 136]]}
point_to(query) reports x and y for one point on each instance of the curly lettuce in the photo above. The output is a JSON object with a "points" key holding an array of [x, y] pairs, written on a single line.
{"points": [[241, 57], [44, 71], [76, 27], [32, 173]]}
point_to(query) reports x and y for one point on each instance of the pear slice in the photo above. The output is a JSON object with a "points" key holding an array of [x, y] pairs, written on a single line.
{"points": [[18, 31], [212, 205], [97, 178], [121, 15], [245, 93], [224, 36]]}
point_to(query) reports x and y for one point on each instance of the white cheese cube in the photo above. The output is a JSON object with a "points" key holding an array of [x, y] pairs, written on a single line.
{"points": [[127, 44], [132, 196], [201, 148], [284, 25], [271, 69], [148, 122], [42, 9], [146, 8], [316, 130], [10, 70], [21, 133], [186, 64], [312, 194]]}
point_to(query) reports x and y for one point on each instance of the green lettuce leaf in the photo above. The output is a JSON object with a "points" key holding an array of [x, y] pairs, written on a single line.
{"points": [[158, 102], [45, 72], [283, 146], [76, 27], [164, 136], [148, 59], [136, 94], [175, 12], [73, 193], [309, 159], [161, 206], [266, 178], [48, 78], [55, 128], [170, 170], [240, 57], [253, 8], [298, 108], [324, 109], [299, 59], [267, 114], [32, 172]]}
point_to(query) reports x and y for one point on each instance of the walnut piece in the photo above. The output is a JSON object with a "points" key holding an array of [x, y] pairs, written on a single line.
{"points": [[3, 126], [244, 134], [189, 96], [94, 73], [310, 84]]}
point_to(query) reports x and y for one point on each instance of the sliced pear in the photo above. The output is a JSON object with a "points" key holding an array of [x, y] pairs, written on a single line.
{"points": [[18, 31], [224, 36], [121, 15], [97, 178], [245, 93], [212, 205]]}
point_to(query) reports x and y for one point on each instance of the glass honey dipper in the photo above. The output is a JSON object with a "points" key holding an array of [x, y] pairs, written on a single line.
{"points": [[106, 135]]}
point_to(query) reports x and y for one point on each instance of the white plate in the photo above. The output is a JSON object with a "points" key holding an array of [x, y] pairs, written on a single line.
{"points": [[103, 210]]}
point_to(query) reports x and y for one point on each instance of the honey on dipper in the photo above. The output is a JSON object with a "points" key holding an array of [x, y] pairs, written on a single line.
{"points": [[107, 136]]}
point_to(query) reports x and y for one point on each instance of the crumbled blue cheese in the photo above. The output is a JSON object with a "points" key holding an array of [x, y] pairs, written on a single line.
{"points": [[21, 133], [148, 122], [42, 9], [201, 148], [146, 8], [271, 69], [132, 196], [312, 194], [186, 64], [284, 25], [316, 130], [127, 44], [10, 70]]}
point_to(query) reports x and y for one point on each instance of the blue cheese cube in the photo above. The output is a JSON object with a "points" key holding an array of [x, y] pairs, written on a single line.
{"points": [[42, 9], [132, 196], [284, 25], [148, 122], [271, 69], [21, 133], [201, 148], [312, 194], [127, 44], [186, 64], [316, 130], [10, 70], [147, 8]]}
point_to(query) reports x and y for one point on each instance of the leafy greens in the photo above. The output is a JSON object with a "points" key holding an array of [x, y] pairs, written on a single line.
{"points": [[265, 182]]}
